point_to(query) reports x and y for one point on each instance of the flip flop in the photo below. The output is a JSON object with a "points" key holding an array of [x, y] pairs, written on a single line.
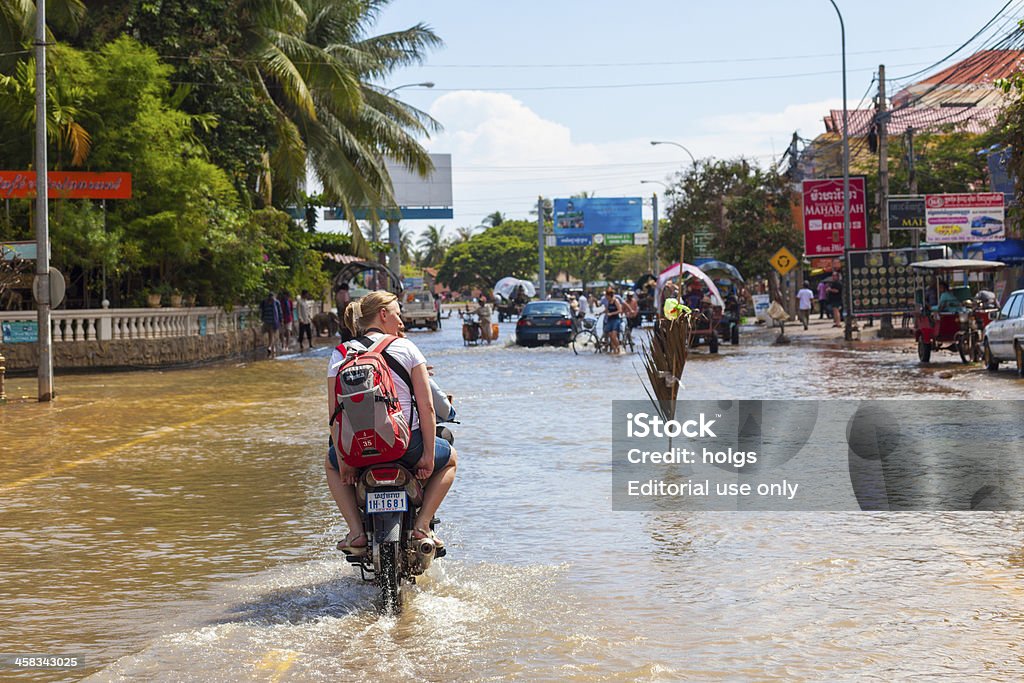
{"points": [[427, 533], [346, 546]]}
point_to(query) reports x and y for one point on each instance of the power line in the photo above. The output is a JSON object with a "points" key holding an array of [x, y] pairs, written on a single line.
{"points": [[735, 60], [610, 86], [957, 50]]}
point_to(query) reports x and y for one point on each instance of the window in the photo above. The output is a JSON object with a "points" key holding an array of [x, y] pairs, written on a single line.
{"points": [[1012, 307]]}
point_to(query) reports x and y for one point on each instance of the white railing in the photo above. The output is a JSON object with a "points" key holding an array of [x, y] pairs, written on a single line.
{"points": [[104, 324]]}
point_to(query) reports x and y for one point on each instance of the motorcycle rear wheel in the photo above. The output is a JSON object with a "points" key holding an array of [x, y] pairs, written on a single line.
{"points": [[389, 580]]}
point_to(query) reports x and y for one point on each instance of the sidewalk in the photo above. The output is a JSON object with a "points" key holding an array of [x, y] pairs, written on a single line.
{"points": [[822, 331]]}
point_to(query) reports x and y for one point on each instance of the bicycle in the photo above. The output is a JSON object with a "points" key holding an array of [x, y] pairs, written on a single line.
{"points": [[586, 339]]}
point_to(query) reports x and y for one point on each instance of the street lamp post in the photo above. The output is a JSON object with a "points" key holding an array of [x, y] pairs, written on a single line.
{"points": [[394, 236], [847, 295], [654, 225], [675, 144]]}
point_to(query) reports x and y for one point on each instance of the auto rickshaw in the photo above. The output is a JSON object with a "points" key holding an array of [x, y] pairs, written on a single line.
{"points": [[958, 330]]}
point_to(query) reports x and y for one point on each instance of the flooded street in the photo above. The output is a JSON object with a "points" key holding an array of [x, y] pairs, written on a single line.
{"points": [[177, 526]]}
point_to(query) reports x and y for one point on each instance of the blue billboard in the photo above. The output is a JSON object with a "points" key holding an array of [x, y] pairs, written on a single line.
{"points": [[598, 215], [573, 240]]}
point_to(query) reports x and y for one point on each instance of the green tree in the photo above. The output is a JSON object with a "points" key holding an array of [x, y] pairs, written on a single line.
{"points": [[748, 210], [484, 259]]}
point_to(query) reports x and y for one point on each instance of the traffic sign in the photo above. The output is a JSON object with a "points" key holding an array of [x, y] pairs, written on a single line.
{"points": [[783, 261], [57, 287]]}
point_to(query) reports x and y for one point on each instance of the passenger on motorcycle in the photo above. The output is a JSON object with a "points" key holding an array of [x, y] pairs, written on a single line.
{"points": [[428, 457]]}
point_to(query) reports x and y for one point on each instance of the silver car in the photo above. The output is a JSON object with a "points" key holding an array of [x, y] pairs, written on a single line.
{"points": [[1004, 336]]}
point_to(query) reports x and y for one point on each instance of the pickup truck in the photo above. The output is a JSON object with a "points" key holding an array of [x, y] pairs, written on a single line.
{"points": [[418, 310]]}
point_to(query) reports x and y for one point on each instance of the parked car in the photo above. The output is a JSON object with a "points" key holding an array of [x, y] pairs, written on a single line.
{"points": [[1004, 336], [544, 322], [418, 310]]}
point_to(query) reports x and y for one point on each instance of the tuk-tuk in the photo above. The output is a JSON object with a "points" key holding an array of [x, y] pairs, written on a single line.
{"points": [[959, 329]]}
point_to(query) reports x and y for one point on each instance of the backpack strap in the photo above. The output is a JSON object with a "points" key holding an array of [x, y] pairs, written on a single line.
{"points": [[381, 347]]}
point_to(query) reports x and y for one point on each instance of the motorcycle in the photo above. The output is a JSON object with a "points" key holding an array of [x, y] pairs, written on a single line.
{"points": [[389, 497]]}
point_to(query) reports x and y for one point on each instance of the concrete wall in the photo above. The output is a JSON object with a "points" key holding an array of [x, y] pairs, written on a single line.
{"points": [[139, 353]]}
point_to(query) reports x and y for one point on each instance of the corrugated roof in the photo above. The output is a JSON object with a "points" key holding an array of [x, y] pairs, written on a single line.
{"points": [[980, 68], [967, 119]]}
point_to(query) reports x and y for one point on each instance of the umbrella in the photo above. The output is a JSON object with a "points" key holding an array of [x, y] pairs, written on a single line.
{"points": [[673, 271], [507, 285], [721, 267]]}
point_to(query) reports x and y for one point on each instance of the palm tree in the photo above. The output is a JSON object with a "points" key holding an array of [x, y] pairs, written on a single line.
{"points": [[18, 22], [315, 64], [494, 219], [464, 234], [433, 245]]}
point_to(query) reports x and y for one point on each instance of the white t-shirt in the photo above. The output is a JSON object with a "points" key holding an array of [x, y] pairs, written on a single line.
{"points": [[806, 296], [584, 306], [408, 355]]}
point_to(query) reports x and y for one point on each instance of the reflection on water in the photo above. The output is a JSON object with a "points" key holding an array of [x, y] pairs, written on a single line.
{"points": [[175, 526]]}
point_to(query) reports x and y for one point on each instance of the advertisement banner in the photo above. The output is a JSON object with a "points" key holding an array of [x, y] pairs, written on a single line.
{"points": [[823, 216], [882, 281], [598, 215], [67, 185], [19, 332], [978, 217], [906, 214]]}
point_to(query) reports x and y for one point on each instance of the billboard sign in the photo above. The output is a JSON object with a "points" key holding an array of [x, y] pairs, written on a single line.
{"points": [[21, 250], [977, 217], [882, 281], [906, 213], [413, 190], [823, 216], [67, 185], [598, 215], [573, 240]]}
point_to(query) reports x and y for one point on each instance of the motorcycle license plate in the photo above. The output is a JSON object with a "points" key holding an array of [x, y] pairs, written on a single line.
{"points": [[543, 337], [385, 501]]}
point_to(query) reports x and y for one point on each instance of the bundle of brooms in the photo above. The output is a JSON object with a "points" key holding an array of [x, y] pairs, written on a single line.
{"points": [[664, 358]]}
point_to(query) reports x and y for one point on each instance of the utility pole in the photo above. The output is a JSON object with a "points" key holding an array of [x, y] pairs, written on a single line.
{"points": [[912, 176], [42, 216], [882, 118], [654, 233], [540, 248]]}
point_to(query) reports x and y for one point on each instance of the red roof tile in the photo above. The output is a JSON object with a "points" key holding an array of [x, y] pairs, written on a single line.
{"points": [[968, 119]]}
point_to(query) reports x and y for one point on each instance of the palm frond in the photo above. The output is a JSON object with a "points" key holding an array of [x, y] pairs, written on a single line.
{"points": [[664, 358]]}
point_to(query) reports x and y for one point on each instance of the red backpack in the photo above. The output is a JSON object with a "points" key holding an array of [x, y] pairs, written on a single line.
{"points": [[372, 428]]}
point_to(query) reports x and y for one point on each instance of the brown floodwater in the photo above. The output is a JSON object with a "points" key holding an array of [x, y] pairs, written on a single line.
{"points": [[176, 526]]}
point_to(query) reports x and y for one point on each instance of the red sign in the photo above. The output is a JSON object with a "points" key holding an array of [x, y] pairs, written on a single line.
{"points": [[67, 185], [823, 216]]}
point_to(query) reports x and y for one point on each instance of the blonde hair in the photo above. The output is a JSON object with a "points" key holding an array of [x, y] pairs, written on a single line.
{"points": [[360, 314]]}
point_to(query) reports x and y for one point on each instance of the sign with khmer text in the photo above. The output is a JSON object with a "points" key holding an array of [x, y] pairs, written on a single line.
{"points": [[67, 185], [823, 216], [976, 217]]}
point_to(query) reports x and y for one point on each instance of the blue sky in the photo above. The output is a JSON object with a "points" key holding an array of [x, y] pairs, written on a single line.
{"points": [[556, 97]]}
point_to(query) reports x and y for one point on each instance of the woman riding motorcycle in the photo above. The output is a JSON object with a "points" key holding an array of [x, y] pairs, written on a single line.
{"points": [[428, 457]]}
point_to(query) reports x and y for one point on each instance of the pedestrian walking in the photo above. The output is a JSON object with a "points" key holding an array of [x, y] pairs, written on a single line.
{"points": [[835, 299], [483, 312], [304, 314], [822, 298], [287, 318], [806, 297], [270, 314]]}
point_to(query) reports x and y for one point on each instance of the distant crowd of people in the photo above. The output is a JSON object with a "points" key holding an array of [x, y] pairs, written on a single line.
{"points": [[285, 319]]}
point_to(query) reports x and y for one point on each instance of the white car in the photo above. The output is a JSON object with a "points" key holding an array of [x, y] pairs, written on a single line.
{"points": [[1004, 336]]}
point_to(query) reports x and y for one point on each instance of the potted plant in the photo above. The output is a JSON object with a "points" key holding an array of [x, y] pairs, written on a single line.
{"points": [[152, 297], [175, 298]]}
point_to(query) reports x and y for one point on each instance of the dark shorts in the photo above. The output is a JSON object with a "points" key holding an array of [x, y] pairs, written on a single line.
{"points": [[442, 453]]}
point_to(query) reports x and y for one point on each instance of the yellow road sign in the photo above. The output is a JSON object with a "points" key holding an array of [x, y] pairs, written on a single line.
{"points": [[783, 261]]}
